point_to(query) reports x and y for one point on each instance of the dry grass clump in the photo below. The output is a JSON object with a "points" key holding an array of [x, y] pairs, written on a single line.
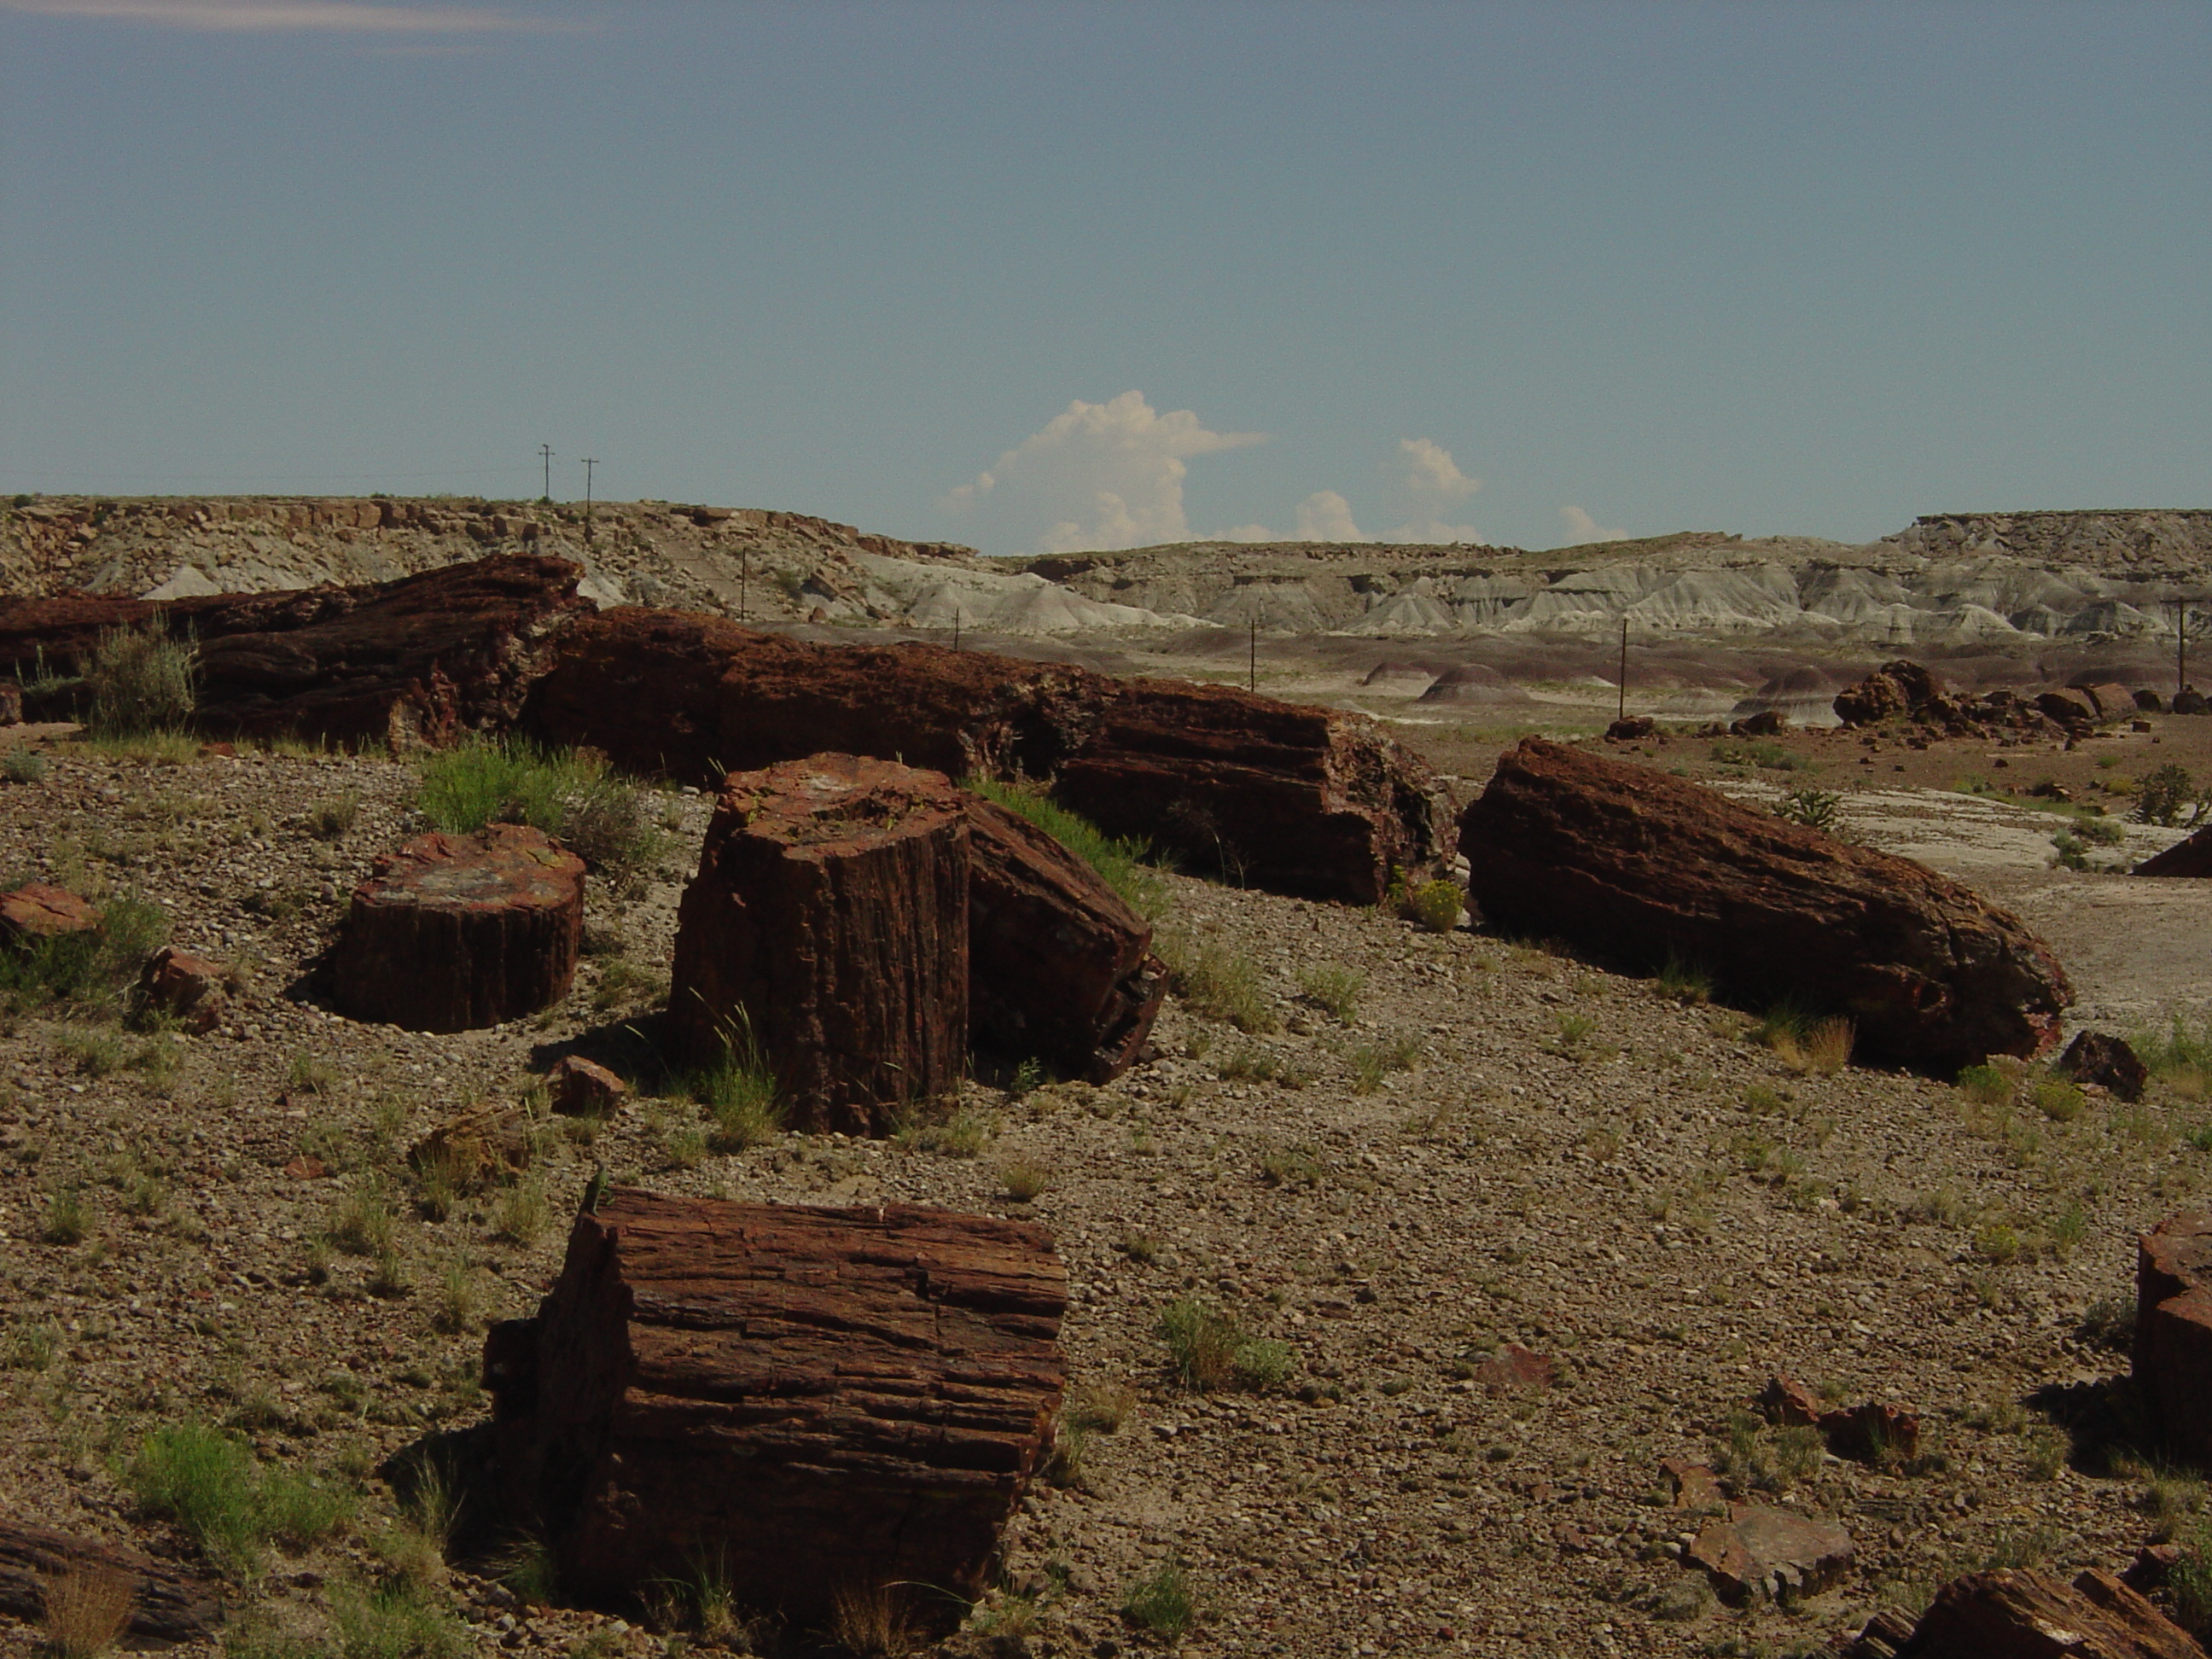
{"points": [[1218, 982], [85, 1609], [872, 1623]]}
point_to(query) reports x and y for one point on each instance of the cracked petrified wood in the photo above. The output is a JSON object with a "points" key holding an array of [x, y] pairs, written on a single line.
{"points": [[2019, 1613], [453, 932], [1061, 969], [827, 926], [804, 1400], [1636, 867]]}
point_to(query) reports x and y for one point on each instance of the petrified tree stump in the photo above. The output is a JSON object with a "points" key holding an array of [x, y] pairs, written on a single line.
{"points": [[1060, 968], [2174, 1331], [806, 1400], [2014, 1613], [451, 932], [168, 1603], [828, 919]]}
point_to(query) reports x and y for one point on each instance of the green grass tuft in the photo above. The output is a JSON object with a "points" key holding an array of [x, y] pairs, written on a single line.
{"points": [[1129, 867]]}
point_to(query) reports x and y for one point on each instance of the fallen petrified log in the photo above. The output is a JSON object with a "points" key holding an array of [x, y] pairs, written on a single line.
{"points": [[451, 932], [827, 927], [39, 910], [168, 1603], [2109, 1062], [807, 1400], [423, 659], [1060, 968], [1637, 866], [1297, 799], [2192, 858], [2173, 1332], [1908, 691], [2019, 1613]]}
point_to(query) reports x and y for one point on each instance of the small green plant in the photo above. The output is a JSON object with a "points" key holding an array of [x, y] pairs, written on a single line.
{"points": [[2058, 1099], [22, 765], [211, 1486], [1129, 867], [332, 819], [1262, 1364], [1163, 1602], [872, 1621], [526, 1565], [961, 1134], [2045, 1450], [397, 1620], [1024, 1179], [90, 969], [563, 792], [1289, 1166], [1371, 1062], [740, 1095], [1202, 1344], [459, 1306], [1985, 1085], [1335, 988], [522, 1212], [1435, 906], [1218, 982], [1816, 809], [363, 1222], [2190, 1580], [2069, 851], [68, 1219], [1685, 981]]}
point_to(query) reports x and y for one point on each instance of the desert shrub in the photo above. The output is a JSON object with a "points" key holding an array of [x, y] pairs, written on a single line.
{"points": [[229, 1504], [23, 765], [1684, 981], [740, 1094], [567, 794], [2169, 792], [2058, 1099], [85, 1609], [140, 681], [1216, 981], [2181, 1059], [1816, 809], [91, 969], [1024, 1180], [1436, 905], [2104, 832], [1163, 1602], [1985, 1085], [1208, 1350], [395, 1621], [332, 819], [871, 1622], [1333, 988], [1126, 866]]}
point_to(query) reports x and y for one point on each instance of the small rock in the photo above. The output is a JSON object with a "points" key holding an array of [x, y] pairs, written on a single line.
{"points": [[1765, 1550], [2094, 1057], [186, 987], [38, 911], [583, 1088]]}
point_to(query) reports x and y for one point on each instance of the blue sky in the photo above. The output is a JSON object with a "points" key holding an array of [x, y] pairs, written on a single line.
{"points": [[1063, 275]]}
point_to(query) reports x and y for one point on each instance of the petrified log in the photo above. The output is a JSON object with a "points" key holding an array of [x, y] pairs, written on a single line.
{"points": [[827, 926], [2019, 1613], [423, 659], [169, 1603], [2192, 858], [1636, 867], [2110, 1062], [451, 932], [1060, 968], [809, 1400], [1771, 1553], [2174, 1331], [1303, 800]]}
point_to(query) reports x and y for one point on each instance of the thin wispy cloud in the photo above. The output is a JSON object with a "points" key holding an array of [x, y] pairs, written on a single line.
{"points": [[276, 16]]}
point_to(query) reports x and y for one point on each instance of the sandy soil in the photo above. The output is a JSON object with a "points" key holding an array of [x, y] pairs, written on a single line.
{"points": [[1485, 1144]]}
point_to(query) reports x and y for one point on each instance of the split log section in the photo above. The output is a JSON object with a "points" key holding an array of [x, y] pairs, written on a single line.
{"points": [[827, 926], [808, 1400]]}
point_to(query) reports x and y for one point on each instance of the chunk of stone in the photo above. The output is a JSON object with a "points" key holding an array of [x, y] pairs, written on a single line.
{"points": [[476, 1149], [1873, 1432], [454, 932], [1767, 1552], [584, 1088], [827, 927], [815, 1400], [1060, 968], [187, 989], [2019, 1613], [1638, 868], [2107, 1060], [39, 911], [2173, 1332]]}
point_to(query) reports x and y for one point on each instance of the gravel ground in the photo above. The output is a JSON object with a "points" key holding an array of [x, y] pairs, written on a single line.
{"points": [[1483, 1143]]}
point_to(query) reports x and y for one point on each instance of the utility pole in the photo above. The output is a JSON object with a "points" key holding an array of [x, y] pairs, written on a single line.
{"points": [[2181, 646], [956, 628], [744, 581], [1623, 669], [546, 450], [1252, 658], [590, 461]]}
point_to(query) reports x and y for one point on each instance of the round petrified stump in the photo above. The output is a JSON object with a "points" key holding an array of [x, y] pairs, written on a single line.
{"points": [[829, 920], [451, 932]]}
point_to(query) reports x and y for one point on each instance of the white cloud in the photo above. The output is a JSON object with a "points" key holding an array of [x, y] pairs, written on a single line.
{"points": [[1326, 516], [1429, 470], [1248, 532], [1582, 528], [1096, 476], [327, 16]]}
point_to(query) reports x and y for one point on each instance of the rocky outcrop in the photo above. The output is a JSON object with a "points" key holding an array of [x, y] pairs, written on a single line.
{"points": [[811, 1400], [1635, 866], [453, 932], [1295, 799], [827, 928], [1061, 969], [2019, 1613], [424, 659], [2173, 1332]]}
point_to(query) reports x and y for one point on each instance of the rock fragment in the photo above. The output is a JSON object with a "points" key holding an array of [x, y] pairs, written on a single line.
{"points": [[39, 910], [2019, 1613], [2107, 1060], [584, 1088], [187, 989], [1764, 1550]]}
